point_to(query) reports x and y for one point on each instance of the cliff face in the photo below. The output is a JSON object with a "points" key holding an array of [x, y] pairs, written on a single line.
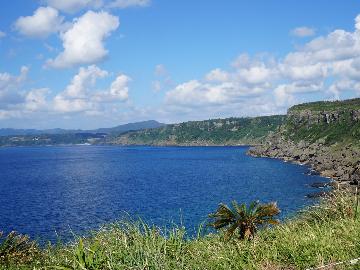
{"points": [[309, 117], [333, 122], [323, 135]]}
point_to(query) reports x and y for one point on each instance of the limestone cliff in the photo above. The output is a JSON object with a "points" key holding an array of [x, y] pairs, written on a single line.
{"points": [[323, 135]]}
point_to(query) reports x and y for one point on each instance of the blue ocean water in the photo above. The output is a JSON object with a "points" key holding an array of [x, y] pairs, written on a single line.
{"points": [[50, 191]]}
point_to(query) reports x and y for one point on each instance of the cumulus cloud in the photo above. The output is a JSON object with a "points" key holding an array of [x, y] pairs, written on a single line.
{"points": [[36, 100], [14, 101], [84, 80], [44, 21], [72, 6], [83, 42], [194, 93], [2, 34], [249, 77], [119, 89], [285, 93], [81, 96], [217, 75], [326, 66], [10, 88], [303, 32]]}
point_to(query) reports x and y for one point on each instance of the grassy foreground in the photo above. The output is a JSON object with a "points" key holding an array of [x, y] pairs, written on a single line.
{"points": [[326, 233]]}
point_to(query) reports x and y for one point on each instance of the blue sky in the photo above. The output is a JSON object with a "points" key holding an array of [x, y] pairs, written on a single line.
{"points": [[98, 63]]}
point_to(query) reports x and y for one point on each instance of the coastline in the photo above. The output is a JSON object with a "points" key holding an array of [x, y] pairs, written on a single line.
{"points": [[334, 162], [339, 163]]}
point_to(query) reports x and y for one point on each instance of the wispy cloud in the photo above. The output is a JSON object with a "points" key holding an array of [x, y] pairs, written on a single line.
{"points": [[327, 65], [74, 6], [303, 32], [129, 3]]}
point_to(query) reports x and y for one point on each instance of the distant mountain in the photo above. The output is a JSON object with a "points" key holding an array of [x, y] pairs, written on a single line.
{"points": [[58, 131], [128, 127]]}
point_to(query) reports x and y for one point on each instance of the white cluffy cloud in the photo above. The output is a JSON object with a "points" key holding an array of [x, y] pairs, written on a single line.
{"points": [[9, 88], [303, 31], [2, 34], [119, 89], [84, 80], [80, 95], [14, 102], [44, 21], [249, 78], [35, 100], [83, 42], [326, 68]]}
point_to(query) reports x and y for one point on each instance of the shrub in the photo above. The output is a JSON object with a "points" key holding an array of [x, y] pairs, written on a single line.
{"points": [[244, 219]]}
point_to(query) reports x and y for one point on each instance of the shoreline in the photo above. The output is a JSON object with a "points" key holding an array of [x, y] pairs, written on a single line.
{"points": [[341, 166]]}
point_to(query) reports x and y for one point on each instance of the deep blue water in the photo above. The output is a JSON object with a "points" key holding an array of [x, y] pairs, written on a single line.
{"points": [[44, 190]]}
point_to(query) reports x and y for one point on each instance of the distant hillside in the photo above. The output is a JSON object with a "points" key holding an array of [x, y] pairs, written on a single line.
{"points": [[114, 130], [52, 139], [128, 127], [33, 137], [337, 121], [230, 131]]}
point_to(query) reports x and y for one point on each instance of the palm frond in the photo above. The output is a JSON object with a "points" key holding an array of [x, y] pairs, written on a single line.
{"points": [[223, 217], [230, 231], [244, 219]]}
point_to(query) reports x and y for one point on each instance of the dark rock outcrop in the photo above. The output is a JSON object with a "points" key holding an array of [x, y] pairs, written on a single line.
{"points": [[338, 162], [322, 135]]}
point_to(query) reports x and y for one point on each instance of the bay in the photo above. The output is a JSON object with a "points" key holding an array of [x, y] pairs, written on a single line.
{"points": [[47, 192]]}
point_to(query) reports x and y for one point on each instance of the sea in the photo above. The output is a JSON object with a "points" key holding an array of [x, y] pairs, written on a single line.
{"points": [[57, 193]]}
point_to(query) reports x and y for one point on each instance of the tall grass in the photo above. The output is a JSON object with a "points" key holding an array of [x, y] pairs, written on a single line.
{"points": [[322, 234]]}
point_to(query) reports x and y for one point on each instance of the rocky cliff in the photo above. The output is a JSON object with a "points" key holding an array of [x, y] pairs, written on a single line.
{"points": [[323, 135], [229, 131]]}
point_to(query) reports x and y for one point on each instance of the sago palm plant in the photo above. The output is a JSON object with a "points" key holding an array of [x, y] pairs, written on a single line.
{"points": [[245, 220]]}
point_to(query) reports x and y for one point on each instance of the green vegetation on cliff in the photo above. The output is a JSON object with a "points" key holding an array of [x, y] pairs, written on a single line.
{"points": [[230, 131], [328, 105], [332, 122], [328, 121]]}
